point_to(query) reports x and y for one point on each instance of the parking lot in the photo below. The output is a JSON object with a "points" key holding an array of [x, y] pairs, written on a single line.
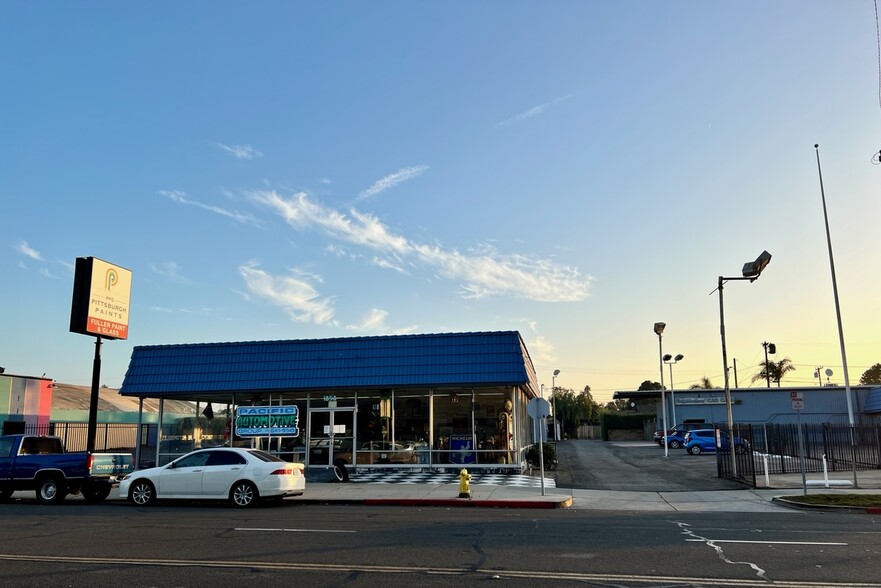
{"points": [[635, 466]]}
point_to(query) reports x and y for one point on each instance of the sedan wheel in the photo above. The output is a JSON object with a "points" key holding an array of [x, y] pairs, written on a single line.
{"points": [[142, 493], [674, 444], [695, 450], [244, 494]]}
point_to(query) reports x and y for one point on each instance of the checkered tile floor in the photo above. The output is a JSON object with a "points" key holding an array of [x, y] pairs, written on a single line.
{"points": [[406, 477]]}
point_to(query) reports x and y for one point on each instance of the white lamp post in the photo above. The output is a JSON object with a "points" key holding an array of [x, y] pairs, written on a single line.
{"points": [[659, 329], [554, 385], [670, 360], [751, 271]]}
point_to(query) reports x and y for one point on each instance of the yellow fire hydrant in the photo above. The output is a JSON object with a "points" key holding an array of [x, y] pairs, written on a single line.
{"points": [[464, 484]]}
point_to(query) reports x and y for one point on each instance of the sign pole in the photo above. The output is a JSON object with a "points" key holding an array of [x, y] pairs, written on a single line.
{"points": [[93, 404]]}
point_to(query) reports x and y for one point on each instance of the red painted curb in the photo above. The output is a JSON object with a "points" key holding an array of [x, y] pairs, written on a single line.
{"points": [[462, 502], [873, 510]]}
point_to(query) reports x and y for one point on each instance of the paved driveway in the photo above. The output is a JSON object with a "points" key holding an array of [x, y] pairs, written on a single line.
{"points": [[634, 466]]}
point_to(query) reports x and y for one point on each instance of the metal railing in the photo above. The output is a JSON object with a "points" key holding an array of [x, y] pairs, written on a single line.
{"points": [[775, 449]]}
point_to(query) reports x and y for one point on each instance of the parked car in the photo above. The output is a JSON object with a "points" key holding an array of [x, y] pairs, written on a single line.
{"points": [[39, 463], [701, 440], [381, 452], [678, 432], [242, 476]]}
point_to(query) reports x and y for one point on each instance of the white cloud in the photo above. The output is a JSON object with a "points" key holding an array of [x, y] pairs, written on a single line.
{"points": [[375, 322], [170, 270], [534, 111], [181, 198], [47, 274], [541, 351], [485, 273], [28, 251], [240, 151], [295, 295], [392, 180]]}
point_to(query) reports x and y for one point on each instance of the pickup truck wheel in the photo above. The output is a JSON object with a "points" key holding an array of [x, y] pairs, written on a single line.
{"points": [[5, 494], [96, 492], [244, 494], [51, 491], [142, 493]]}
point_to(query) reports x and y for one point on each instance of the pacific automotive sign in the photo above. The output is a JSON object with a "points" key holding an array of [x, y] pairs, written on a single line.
{"points": [[264, 421]]}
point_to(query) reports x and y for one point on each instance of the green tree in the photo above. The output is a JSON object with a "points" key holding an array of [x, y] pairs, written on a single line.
{"points": [[872, 375], [572, 409], [776, 369], [649, 385], [704, 384]]}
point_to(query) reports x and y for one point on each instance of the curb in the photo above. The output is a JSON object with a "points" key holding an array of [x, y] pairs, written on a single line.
{"points": [[826, 508], [467, 502]]}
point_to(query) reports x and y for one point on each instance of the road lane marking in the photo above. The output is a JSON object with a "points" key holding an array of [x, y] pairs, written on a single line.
{"points": [[293, 530], [526, 574], [701, 540], [683, 527]]}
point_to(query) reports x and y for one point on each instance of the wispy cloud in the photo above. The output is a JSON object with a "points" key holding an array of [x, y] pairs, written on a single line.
{"points": [[182, 198], [392, 180], [47, 274], [375, 322], [482, 273], [240, 151], [170, 270], [29, 251], [534, 111], [293, 293]]}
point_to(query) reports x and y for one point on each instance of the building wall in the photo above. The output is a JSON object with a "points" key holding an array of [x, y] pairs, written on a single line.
{"points": [[769, 406], [25, 399]]}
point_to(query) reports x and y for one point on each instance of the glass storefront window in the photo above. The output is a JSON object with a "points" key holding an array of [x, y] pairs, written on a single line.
{"points": [[411, 428], [453, 430]]}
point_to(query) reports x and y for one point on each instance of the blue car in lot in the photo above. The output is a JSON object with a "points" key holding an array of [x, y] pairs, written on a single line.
{"points": [[704, 440]]}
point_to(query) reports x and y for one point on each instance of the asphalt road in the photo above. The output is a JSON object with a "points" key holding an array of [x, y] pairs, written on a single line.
{"points": [[598, 465], [77, 545]]}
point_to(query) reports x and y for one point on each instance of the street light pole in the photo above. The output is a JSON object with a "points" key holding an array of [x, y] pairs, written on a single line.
{"points": [[659, 329], [751, 271], [670, 360], [554, 398]]}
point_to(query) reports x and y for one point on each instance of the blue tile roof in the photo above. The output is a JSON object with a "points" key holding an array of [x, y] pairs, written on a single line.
{"points": [[449, 359]]}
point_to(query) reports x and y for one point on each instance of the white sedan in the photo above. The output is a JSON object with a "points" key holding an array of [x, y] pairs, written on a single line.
{"points": [[241, 476]]}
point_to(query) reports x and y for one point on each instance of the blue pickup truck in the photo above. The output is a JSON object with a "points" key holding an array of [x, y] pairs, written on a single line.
{"points": [[39, 463]]}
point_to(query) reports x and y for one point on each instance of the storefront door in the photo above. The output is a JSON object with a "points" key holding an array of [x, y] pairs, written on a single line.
{"points": [[331, 436]]}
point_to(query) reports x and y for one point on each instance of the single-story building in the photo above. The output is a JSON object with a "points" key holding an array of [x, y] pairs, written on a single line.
{"points": [[826, 404], [434, 400]]}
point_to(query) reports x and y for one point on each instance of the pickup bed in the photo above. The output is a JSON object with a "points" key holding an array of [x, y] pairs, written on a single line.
{"points": [[39, 463]]}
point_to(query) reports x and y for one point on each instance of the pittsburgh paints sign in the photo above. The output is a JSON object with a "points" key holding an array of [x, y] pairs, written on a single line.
{"points": [[101, 297], [265, 421]]}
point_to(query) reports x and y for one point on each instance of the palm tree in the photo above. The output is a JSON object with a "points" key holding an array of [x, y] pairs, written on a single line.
{"points": [[775, 369], [704, 384]]}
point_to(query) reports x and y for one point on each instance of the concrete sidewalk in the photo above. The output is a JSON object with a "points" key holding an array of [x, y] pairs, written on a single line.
{"points": [[745, 500]]}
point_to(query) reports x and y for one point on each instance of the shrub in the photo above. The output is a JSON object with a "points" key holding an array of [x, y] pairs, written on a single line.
{"points": [[533, 457]]}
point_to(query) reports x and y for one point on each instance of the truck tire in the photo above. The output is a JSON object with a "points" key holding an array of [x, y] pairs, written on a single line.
{"points": [[96, 492], [52, 490], [5, 494]]}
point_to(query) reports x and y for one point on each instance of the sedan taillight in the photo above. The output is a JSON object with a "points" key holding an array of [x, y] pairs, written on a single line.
{"points": [[287, 472]]}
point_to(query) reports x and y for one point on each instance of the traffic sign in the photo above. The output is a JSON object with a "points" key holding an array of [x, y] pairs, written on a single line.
{"points": [[538, 408]]}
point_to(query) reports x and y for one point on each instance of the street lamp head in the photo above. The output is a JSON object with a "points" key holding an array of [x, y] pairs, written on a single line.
{"points": [[679, 357], [752, 269], [556, 372], [659, 328], [667, 357]]}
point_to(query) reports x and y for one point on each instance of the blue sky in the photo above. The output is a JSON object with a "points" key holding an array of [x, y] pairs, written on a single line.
{"points": [[576, 171]]}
